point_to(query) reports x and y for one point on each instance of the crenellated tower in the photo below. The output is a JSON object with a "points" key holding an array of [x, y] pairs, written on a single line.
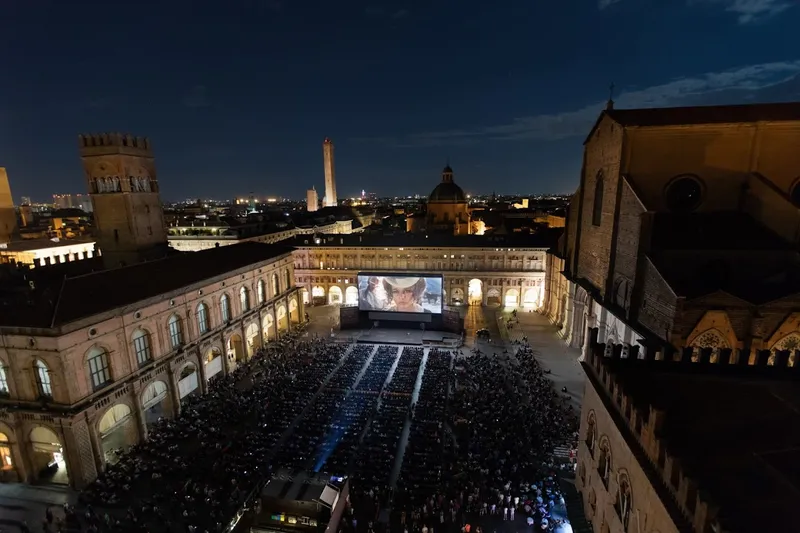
{"points": [[121, 178]]}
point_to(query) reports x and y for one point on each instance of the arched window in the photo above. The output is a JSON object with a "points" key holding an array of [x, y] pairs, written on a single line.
{"points": [[597, 207], [275, 289], [244, 299], [3, 381], [287, 279], [225, 307], [604, 462], [624, 500], [202, 318], [142, 346], [262, 292], [591, 433], [6, 461], [43, 379], [175, 331], [99, 372]]}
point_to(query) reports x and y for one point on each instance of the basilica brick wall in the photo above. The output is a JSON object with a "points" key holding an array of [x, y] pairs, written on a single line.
{"points": [[602, 164]]}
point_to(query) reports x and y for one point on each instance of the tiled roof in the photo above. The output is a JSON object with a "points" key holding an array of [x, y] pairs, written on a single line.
{"points": [[61, 298]]}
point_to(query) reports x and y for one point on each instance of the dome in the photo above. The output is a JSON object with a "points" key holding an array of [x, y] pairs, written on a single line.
{"points": [[448, 192]]}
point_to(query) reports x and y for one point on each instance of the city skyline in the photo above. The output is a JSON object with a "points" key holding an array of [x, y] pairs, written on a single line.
{"points": [[511, 107]]}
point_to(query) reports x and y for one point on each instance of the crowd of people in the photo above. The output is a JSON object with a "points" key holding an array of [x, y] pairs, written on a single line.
{"points": [[195, 472], [481, 431], [506, 420]]}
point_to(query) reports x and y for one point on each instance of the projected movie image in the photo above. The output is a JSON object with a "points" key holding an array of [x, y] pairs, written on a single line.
{"points": [[400, 294]]}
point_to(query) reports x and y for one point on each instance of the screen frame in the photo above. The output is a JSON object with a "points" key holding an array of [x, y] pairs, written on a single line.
{"points": [[406, 275]]}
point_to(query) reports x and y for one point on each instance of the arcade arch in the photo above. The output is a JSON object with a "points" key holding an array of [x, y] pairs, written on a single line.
{"points": [[251, 334], [531, 297], [493, 296], [213, 362], [458, 295], [351, 295], [235, 348], [334, 295], [155, 403], [6, 458], [283, 320], [117, 432], [475, 292], [294, 312], [512, 298], [269, 327], [49, 463], [318, 295], [188, 381]]}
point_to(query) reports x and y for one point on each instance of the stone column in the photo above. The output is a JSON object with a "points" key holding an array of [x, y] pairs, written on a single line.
{"points": [[587, 342], [176, 393], [136, 401], [201, 372]]}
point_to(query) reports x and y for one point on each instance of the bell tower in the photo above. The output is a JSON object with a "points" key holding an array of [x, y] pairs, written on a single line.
{"points": [[121, 178]]}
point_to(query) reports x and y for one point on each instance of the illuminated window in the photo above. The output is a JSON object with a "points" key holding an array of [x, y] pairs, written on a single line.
{"points": [[141, 345], [597, 208], [202, 318], [275, 288], [262, 292], [3, 380], [244, 299], [99, 371], [175, 331], [5, 453], [225, 307], [43, 378]]}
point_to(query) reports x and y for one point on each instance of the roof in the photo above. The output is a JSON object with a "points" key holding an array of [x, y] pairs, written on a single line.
{"points": [[448, 192], [735, 429], [28, 245], [543, 239], [724, 114], [718, 230], [81, 296], [69, 212]]}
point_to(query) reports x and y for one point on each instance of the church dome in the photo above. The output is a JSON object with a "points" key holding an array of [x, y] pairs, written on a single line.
{"points": [[447, 191]]}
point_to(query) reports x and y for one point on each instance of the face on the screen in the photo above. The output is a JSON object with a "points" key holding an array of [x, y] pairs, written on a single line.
{"points": [[403, 297]]}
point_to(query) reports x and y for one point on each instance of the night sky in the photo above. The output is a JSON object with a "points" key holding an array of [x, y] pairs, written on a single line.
{"points": [[237, 96]]}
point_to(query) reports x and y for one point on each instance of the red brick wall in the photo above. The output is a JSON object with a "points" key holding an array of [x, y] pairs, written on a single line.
{"points": [[626, 250], [659, 304], [602, 153]]}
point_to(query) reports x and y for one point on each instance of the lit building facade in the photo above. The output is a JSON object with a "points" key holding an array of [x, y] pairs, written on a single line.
{"points": [[8, 215], [648, 256], [36, 253], [477, 270], [90, 377]]}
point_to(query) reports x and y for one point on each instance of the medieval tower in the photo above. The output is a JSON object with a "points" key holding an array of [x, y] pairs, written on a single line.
{"points": [[330, 174], [122, 183]]}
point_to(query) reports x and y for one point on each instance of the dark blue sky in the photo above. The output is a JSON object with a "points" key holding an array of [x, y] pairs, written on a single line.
{"points": [[237, 96]]}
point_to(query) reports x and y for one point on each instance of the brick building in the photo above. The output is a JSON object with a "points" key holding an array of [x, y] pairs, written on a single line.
{"points": [[681, 446], [683, 232]]}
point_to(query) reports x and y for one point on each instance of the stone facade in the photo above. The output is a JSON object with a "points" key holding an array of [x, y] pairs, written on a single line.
{"points": [[76, 393], [182, 238], [610, 280], [327, 272]]}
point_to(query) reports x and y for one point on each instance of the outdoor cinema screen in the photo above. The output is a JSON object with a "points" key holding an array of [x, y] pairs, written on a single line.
{"points": [[400, 293]]}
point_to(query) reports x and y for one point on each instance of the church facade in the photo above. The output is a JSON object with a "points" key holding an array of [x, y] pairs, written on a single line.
{"points": [[682, 233]]}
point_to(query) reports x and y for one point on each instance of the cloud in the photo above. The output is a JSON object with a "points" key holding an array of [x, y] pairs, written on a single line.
{"points": [[747, 10], [764, 82], [197, 97], [752, 10]]}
